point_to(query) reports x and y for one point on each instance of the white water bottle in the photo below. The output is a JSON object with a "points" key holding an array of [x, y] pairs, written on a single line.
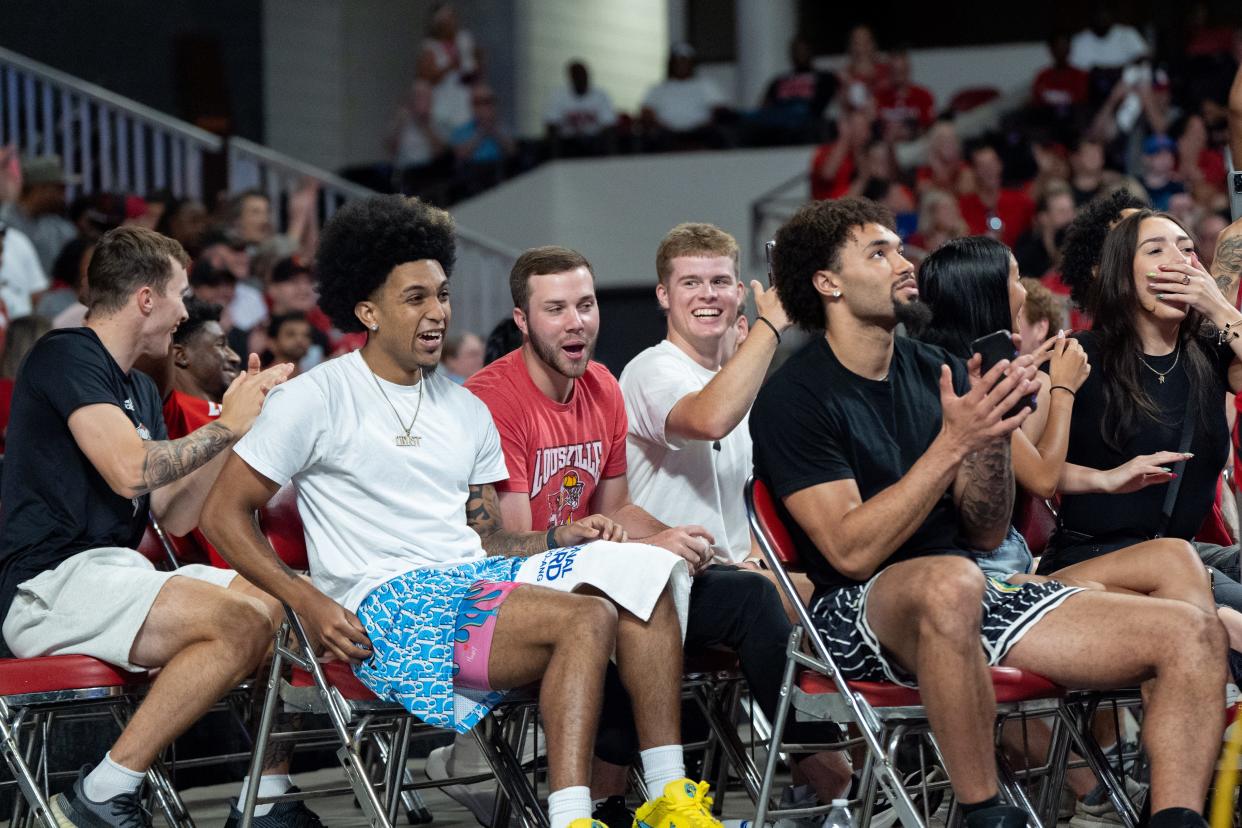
{"points": [[839, 816]]}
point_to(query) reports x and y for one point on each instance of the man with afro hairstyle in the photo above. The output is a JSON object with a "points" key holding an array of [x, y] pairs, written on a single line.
{"points": [[413, 577], [1084, 239], [890, 463]]}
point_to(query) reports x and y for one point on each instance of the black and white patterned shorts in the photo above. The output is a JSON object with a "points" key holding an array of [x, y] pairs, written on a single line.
{"points": [[1009, 611]]}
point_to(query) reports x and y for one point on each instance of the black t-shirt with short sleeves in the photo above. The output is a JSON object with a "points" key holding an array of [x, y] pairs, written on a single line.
{"points": [[53, 502], [816, 422], [1139, 513]]}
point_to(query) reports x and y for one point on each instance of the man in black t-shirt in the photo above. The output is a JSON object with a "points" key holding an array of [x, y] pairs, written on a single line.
{"points": [[890, 462], [87, 457]]}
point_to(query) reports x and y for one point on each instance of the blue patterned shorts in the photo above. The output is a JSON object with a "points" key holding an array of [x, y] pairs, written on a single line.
{"points": [[412, 622]]}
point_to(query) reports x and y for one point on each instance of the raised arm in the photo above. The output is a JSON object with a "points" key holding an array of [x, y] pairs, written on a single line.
{"points": [[1038, 459], [1235, 120], [713, 412]]}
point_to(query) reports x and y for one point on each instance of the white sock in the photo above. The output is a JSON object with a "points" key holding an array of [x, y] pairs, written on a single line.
{"points": [[109, 779], [270, 784], [662, 765], [568, 804]]}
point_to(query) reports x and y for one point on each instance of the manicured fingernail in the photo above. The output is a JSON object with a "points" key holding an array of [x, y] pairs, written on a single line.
{"points": [[1166, 469], [1151, 273], [1188, 454]]}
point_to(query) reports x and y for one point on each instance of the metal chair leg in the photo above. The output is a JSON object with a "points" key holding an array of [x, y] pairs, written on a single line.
{"points": [[266, 717]]}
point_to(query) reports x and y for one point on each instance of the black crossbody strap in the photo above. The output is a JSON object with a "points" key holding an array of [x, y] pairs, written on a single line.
{"points": [[1179, 468]]}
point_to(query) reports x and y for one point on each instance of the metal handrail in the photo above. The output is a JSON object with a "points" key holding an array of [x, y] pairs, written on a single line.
{"points": [[208, 141], [292, 166]]}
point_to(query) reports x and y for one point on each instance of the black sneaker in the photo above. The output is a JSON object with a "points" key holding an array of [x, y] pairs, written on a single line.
{"points": [[72, 808], [614, 813], [998, 816], [291, 814]]}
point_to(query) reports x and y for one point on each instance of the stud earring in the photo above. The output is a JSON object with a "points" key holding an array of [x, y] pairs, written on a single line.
{"points": [[836, 294], [375, 327]]}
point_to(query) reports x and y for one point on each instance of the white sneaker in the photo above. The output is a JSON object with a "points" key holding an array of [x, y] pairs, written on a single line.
{"points": [[479, 798]]}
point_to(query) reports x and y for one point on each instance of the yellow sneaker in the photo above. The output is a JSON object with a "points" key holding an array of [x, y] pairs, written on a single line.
{"points": [[684, 804], [587, 822]]}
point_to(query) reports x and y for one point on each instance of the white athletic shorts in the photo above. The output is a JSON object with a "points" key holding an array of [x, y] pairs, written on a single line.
{"points": [[93, 604]]}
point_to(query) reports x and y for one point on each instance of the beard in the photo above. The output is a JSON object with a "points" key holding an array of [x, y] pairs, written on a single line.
{"points": [[915, 315], [554, 358]]}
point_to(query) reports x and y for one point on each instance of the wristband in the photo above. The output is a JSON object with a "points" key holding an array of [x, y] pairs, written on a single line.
{"points": [[768, 322], [550, 538], [1063, 388]]}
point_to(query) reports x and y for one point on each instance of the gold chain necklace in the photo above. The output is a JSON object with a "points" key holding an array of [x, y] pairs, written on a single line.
{"points": [[1164, 374], [406, 439]]}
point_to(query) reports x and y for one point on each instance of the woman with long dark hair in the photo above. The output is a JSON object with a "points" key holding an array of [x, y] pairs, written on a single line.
{"points": [[1167, 345], [971, 286]]}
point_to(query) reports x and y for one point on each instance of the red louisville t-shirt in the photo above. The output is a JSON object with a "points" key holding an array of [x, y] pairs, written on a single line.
{"points": [[557, 453], [182, 415]]}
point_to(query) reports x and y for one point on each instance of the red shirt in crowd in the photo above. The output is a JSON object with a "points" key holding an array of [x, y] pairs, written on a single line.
{"points": [[913, 103], [1058, 88], [824, 188], [1013, 207], [182, 415], [556, 453]]}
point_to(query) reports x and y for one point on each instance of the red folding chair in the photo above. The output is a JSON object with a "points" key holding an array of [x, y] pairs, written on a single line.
{"points": [[882, 713], [32, 691], [357, 715]]}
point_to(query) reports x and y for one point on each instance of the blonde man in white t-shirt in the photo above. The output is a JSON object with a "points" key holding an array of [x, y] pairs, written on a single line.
{"points": [[688, 447]]}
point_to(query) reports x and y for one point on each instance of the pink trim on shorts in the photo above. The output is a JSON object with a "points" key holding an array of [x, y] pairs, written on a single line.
{"points": [[472, 638]]}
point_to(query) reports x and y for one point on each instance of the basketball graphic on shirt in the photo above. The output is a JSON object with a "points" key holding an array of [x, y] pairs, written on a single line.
{"points": [[564, 501]]}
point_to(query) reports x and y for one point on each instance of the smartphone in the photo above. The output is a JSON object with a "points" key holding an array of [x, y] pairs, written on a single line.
{"points": [[768, 248], [993, 348]]}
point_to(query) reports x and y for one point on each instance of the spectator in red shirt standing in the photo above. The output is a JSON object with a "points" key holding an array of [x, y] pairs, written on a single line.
{"points": [[904, 108], [866, 72], [992, 209], [22, 334]]}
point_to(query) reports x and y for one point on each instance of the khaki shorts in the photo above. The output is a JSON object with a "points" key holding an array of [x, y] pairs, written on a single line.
{"points": [[93, 604]]}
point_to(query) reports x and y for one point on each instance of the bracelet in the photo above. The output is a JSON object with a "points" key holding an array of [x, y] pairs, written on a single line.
{"points": [[550, 538], [768, 322], [1063, 388], [1229, 332]]}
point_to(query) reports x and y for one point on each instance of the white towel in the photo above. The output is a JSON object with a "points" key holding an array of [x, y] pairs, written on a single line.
{"points": [[633, 575]]}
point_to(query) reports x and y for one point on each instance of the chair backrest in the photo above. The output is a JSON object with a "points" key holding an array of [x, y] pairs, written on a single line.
{"points": [[769, 525], [971, 97], [1036, 520], [282, 526]]}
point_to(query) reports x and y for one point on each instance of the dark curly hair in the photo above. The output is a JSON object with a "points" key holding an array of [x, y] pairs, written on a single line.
{"points": [[197, 314], [363, 242], [812, 241], [1084, 240]]}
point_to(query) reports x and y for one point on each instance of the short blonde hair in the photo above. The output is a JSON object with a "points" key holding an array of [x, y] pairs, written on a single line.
{"points": [[694, 239]]}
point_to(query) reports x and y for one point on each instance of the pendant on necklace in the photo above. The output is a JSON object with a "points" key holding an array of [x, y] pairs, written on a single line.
{"points": [[407, 440], [1162, 379]]}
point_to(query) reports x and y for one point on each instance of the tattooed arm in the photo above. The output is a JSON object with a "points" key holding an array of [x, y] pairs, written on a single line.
{"points": [[133, 467], [1227, 261], [984, 492], [483, 515]]}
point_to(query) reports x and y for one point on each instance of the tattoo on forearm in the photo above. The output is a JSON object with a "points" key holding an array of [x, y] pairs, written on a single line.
{"points": [[987, 499], [1227, 262], [170, 460], [483, 516]]}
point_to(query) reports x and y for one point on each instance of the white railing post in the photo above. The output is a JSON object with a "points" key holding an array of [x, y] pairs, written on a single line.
{"points": [[88, 165], [122, 152], [105, 149]]}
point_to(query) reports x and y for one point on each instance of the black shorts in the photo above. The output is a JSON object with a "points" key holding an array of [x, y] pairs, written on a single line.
{"points": [[1009, 611]]}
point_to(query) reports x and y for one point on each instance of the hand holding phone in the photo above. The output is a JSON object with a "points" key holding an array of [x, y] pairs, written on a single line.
{"points": [[993, 348]]}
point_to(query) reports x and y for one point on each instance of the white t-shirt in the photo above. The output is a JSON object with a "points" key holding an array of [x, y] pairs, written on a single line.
{"points": [[20, 273], [1118, 47], [682, 105], [577, 115], [677, 480], [374, 510]]}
